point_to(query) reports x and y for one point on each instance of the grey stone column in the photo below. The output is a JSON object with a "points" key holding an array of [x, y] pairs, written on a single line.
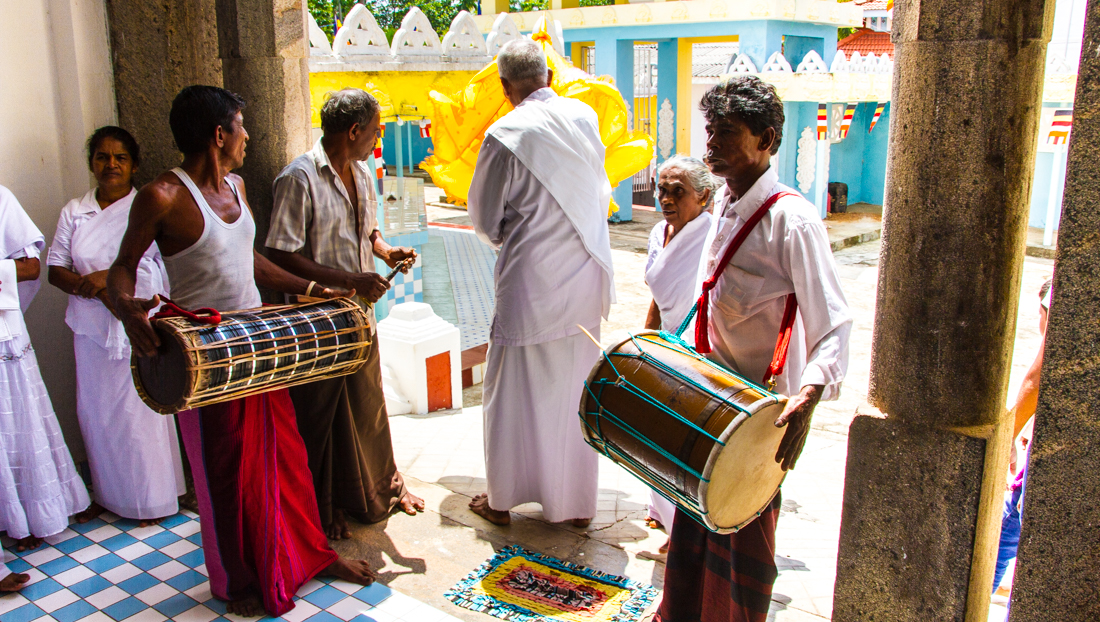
{"points": [[924, 481], [264, 53], [159, 47], [1059, 550]]}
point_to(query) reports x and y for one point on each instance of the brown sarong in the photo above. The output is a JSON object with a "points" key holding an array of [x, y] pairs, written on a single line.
{"points": [[346, 429], [711, 577]]}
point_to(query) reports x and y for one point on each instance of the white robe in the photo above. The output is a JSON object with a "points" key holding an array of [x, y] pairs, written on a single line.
{"points": [[39, 486], [670, 273], [133, 452], [548, 216]]}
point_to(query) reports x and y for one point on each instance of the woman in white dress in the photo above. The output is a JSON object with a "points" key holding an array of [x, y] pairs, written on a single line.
{"points": [[685, 189], [133, 452], [39, 485]]}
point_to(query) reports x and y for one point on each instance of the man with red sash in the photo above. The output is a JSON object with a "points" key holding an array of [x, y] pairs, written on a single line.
{"points": [[767, 269], [261, 532]]}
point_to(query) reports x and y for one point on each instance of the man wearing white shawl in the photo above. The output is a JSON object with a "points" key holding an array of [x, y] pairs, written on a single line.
{"points": [[684, 191], [133, 452], [540, 195], [39, 485]]}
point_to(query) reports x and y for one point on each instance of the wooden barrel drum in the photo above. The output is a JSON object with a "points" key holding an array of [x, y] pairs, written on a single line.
{"points": [[250, 352], [696, 432]]}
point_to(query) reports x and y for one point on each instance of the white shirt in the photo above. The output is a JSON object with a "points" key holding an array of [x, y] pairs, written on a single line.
{"points": [[547, 280], [788, 251]]}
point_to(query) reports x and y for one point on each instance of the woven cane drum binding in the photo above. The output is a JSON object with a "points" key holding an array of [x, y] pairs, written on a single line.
{"points": [[250, 352], [697, 433]]}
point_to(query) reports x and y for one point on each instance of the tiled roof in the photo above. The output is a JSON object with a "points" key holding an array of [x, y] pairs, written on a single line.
{"points": [[872, 5], [866, 41]]}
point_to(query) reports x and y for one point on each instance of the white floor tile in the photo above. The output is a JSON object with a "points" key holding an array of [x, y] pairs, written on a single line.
{"points": [[148, 615], [398, 604], [301, 611], [57, 600], [61, 537], [142, 533], [346, 586], [195, 614], [47, 554], [106, 598], [134, 551], [73, 576], [310, 586], [189, 528], [156, 594], [168, 570], [179, 548], [348, 608], [88, 553], [11, 602], [118, 574], [200, 592], [98, 616]]}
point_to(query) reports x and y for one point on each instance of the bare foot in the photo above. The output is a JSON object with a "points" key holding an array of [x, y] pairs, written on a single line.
{"points": [[28, 543], [14, 582], [652, 523], [664, 547], [149, 522], [581, 522], [350, 570], [480, 506], [248, 607], [93, 511], [411, 504], [338, 528]]}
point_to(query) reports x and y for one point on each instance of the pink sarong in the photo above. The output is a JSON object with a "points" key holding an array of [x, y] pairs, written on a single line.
{"points": [[261, 533]]}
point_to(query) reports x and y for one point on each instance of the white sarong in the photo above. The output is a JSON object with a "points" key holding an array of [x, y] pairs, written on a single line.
{"points": [[133, 452]]}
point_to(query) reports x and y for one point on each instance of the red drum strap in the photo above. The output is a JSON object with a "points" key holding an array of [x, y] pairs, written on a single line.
{"points": [[202, 316], [702, 332]]}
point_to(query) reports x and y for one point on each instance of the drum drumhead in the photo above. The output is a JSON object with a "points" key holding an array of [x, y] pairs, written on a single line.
{"points": [[745, 475], [165, 377]]}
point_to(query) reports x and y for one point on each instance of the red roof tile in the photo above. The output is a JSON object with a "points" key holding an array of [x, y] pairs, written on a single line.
{"points": [[866, 41], [872, 5]]}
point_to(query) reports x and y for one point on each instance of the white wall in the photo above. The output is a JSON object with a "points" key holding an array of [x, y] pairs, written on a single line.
{"points": [[56, 87], [1069, 29]]}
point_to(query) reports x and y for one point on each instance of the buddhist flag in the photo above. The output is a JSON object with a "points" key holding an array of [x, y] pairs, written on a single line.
{"points": [[878, 113], [425, 128], [822, 121], [846, 124], [1060, 126], [379, 165]]}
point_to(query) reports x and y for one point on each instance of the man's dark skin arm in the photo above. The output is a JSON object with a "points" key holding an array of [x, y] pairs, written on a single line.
{"points": [[27, 269], [370, 285]]}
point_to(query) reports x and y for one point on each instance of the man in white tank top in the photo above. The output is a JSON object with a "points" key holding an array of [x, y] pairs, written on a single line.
{"points": [[256, 507]]}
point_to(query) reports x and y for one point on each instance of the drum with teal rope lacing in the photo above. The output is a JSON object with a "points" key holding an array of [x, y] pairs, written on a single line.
{"points": [[697, 433]]}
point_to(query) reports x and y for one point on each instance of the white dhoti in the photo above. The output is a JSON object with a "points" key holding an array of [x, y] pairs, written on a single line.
{"points": [[133, 452], [534, 449]]}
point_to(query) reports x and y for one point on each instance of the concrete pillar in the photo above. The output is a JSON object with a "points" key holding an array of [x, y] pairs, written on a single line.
{"points": [[924, 486], [666, 92], [615, 57], [159, 47], [565, 4], [1059, 549], [264, 52], [759, 40]]}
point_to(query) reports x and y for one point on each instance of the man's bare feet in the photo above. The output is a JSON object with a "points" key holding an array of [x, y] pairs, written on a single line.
{"points": [[149, 522], [338, 528], [14, 582], [351, 570], [93, 511], [411, 504], [581, 522], [28, 543], [652, 523], [664, 547], [248, 607], [480, 506]]}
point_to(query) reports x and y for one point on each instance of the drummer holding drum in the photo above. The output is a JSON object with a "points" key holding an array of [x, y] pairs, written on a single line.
{"points": [[783, 269]]}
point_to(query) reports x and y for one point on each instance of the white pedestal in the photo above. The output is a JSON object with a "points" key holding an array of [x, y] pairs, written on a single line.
{"points": [[411, 341]]}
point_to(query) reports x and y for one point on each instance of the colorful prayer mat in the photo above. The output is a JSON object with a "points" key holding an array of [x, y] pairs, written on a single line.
{"points": [[522, 586]]}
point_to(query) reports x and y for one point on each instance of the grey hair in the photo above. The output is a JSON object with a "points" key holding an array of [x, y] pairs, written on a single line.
{"points": [[521, 61], [346, 107], [699, 176]]}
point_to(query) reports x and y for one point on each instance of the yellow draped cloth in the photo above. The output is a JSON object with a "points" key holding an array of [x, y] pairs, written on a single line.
{"points": [[460, 120]]}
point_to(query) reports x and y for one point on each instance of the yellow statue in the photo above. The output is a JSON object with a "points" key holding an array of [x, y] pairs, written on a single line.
{"points": [[459, 122]]}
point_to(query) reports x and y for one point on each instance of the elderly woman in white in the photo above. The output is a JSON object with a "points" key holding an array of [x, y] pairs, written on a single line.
{"points": [[133, 452], [685, 190]]}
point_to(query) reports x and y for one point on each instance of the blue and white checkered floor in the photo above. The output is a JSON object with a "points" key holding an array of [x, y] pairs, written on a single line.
{"points": [[109, 570]]}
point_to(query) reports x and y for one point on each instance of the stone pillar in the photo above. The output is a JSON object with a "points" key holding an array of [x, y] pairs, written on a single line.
{"points": [[1059, 548], [667, 83], [924, 482], [159, 47], [264, 53]]}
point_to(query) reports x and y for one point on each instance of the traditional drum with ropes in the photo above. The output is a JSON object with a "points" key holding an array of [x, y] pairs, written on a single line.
{"points": [[212, 358], [697, 433]]}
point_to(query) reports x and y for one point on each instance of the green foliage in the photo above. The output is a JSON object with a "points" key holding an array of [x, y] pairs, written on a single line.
{"points": [[321, 10], [439, 12], [597, 2], [841, 33], [518, 6]]}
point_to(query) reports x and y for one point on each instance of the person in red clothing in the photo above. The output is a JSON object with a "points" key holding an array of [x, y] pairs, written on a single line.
{"points": [[261, 532]]}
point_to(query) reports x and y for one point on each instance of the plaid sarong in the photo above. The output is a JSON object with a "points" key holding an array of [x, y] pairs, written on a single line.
{"points": [[711, 577]]}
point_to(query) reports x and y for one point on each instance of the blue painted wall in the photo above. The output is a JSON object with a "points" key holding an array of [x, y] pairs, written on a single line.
{"points": [[796, 48], [860, 159], [798, 115], [420, 146], [1040, 183]]}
